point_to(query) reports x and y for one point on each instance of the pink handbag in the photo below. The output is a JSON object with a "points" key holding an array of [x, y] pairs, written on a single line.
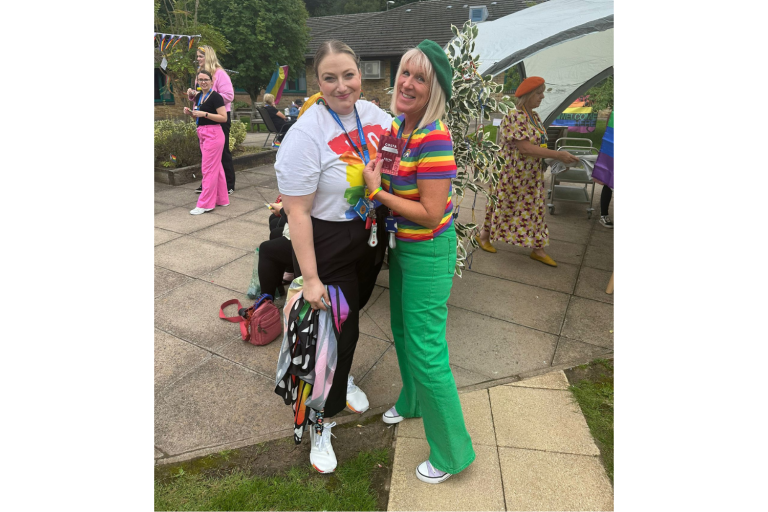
{"points": [[260, 324]]}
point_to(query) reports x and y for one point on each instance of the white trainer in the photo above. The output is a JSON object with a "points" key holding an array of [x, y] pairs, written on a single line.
{"points": [[321, 455], [391, 417], [198, 211], [426, 473], [357, 401]]}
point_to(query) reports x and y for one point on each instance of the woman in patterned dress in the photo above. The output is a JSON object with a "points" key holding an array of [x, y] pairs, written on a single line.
{"points": [[519, 214]]}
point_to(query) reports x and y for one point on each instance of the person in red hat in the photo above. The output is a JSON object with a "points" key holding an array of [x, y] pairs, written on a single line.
{"points": [[518, 218]]}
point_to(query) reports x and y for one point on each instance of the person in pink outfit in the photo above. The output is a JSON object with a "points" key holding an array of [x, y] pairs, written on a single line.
{"points": [[209, 113], [222, 84]]}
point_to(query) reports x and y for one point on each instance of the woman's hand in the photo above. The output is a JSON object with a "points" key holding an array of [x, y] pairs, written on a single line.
{"points": [[276, 207], [566, 157], [191, 93], [372, 174], [187, 111], [314, 292], [198, 113]]}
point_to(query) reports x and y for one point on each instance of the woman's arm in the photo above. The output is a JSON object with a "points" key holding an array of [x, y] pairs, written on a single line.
{"points": [[220, 116], [527, 149], [280, 114], [428, 211], [302, 239], [222, 84]]}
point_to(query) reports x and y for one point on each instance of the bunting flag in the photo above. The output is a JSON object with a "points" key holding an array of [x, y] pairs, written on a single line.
{"points": [[167, 39], [177, 42], [191, 40], [277, 82], [603, 171], [578, 117]]}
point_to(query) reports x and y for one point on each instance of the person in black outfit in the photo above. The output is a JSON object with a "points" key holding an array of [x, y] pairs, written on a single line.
{"points": [[278, 118], [275, 254]]}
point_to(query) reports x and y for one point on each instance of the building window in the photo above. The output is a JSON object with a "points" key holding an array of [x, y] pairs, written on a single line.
{"points": [[393, 65], [296, 83], [162, 95]]}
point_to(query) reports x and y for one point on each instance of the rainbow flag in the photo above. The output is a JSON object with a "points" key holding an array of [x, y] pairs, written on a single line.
{"points": [[603, 170], [277, 82], [578, 117]]}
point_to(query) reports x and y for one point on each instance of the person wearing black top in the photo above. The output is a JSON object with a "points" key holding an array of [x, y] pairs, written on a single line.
{"points": [[278, 118], [209, 113]]}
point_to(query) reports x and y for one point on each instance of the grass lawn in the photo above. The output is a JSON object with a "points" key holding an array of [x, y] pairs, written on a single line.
{"points": [[297, 488], [592, 386]]}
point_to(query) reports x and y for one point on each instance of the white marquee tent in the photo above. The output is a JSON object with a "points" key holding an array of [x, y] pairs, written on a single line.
{"points": [[567, 42]]}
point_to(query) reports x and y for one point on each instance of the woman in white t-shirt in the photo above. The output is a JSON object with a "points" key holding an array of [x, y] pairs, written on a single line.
{"points": [[320, 176]]}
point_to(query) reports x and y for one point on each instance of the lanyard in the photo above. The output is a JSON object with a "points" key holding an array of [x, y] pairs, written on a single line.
{"points": [[400, 134], [539, 128], [364, 154], [200, 100]]}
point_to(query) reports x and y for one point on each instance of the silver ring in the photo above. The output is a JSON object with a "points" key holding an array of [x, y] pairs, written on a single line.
{"points": [[322, 299]]}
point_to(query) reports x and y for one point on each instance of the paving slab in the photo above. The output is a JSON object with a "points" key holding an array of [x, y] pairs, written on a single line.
{"points": [[191, 312], [253, 178], [180, 220], [268, 169], [496, 348], [589, 321], [383, 278], [592, 283], [235, 275], [540, 419], [382, 383], [177, 196], [569, 228], [174, 357], [166, 280], [251, 193], [518, 303], [378, 312], [464, 377], [577, 352], [195, 256], [219, 402], [551, 380], [560, 250], [476, 407], [236, 233], [377, 290], [161, 207], [478, 487], [599, 255], [237, 207], [536, 480], [371, 328], [163, 235], [269, 193], [522, 269], [259, 216]]}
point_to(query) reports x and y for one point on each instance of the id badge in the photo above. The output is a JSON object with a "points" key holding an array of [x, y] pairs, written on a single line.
{"points": [[389, 152], [362, 208], [391, 225]]}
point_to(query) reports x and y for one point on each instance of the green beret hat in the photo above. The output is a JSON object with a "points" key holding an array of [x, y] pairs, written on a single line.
{"points": [[440, 63]]}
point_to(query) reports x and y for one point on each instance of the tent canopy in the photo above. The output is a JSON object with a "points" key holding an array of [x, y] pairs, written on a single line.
{"points": [[567, 42]]}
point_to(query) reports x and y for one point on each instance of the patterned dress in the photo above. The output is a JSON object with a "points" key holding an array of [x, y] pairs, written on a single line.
{"points": [[519, 215]]}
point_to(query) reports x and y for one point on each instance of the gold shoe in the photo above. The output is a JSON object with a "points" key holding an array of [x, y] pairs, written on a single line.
{"points": [[485, 246], [545, 260]]}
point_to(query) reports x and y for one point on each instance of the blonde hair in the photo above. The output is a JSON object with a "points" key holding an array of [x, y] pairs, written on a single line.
{"points": [[522, 101], [331, 47], [269, 99], [415, 59], [211, 63]]}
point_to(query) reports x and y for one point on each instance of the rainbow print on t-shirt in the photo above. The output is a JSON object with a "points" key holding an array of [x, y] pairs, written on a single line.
{"points": [[429, 156]]}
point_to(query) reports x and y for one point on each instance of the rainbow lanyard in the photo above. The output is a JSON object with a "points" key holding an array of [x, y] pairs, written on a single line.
{"points": [[539, 128], [364, 154], [400, 135], [200, 100]]}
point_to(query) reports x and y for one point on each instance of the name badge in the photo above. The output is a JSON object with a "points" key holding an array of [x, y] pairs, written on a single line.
{"points": [[362, 208], [391, 225]]}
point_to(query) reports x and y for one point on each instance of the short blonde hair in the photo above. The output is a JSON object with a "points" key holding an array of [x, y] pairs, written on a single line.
{"points": [[522, 101], [269, 99], [415, 59]]}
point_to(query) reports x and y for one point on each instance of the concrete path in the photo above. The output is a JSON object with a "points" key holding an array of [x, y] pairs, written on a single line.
{"points": [[533, 451], [509, 317]]}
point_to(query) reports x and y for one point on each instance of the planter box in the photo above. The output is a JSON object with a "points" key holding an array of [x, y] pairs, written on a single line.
{"points": [[182, 175]]}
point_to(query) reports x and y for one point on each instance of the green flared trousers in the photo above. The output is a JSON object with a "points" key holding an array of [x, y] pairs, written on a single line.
{"points": [[420, 280]]}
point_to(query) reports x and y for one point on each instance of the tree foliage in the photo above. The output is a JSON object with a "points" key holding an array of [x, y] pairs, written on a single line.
{"points": [[175, 17], [477, 157], [601, 95], [262, 34]]}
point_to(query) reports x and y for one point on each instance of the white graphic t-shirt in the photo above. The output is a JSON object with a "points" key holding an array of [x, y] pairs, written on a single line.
{"points": [[315, 156]]}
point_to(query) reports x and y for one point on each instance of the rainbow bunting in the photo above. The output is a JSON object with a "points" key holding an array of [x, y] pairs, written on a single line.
{"points": [[177, 42], [191, 40], [277, 82]]}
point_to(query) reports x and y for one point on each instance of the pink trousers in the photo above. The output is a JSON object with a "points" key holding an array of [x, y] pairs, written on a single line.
{"points": [[214, 181]]}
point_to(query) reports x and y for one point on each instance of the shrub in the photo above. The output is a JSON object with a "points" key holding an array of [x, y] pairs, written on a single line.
{"points": [[236, 134], [239, 104], [177, 138]]}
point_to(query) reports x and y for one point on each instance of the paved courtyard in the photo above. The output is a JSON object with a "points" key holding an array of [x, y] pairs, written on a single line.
{"points": [[510, 317]]}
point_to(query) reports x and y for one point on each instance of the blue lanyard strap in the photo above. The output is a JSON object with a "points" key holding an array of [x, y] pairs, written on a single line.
{"points": [[400, 134], [200, 100], [364, 154]]}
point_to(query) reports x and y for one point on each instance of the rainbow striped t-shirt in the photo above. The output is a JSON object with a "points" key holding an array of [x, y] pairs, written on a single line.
{"points": [[429, 156]]}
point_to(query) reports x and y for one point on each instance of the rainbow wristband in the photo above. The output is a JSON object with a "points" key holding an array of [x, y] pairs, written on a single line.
{"points": [[374, 193]]}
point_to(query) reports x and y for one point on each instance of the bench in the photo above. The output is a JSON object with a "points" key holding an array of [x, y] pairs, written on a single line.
{"points": [[251, 113]]}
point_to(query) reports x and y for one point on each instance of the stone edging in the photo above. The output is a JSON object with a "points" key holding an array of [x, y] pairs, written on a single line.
{"points": [[183, 175]]}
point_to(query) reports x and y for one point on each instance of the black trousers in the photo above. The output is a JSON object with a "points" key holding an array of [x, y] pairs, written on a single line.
{"points": [[226, 156], [605, 200], [343, 258], [275, 256]]}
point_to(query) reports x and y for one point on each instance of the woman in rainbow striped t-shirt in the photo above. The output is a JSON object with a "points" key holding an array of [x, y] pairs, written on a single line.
{"points": [[421, 264]]}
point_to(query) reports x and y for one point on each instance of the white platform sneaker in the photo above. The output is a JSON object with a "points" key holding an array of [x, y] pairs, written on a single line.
{"points": [[426, 473], [321, 455], [357, 401], [391, 417]]}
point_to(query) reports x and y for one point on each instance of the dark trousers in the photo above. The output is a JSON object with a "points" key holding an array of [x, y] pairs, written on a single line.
{"points": [[342, 255], [226, 156], [275, 256], [605, 200]]}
